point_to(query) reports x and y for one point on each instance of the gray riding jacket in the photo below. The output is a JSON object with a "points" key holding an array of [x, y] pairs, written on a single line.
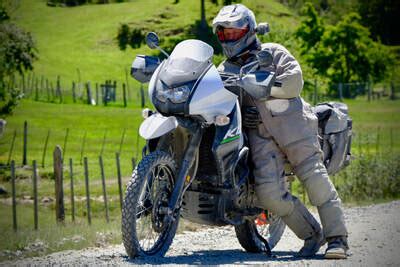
{"points": [[285, 66]]}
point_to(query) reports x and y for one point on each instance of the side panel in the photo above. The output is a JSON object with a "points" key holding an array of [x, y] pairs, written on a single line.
{"points": [[227, 143], [211, 98]]}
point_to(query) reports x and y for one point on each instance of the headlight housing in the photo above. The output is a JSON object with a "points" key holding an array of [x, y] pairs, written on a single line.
{"points": [[175, 95]]}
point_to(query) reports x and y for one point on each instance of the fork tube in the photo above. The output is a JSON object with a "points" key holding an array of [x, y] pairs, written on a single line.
{"points": [[188, 159]]}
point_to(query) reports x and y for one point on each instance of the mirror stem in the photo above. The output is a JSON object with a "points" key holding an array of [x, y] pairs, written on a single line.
{"points": [[163, 51]]}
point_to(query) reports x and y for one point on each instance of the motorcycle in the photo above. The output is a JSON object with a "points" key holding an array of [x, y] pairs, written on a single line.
{"points": [[195, 163]]}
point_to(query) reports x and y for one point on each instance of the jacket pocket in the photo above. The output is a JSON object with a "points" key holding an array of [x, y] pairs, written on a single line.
{"points": [[284, 107]]}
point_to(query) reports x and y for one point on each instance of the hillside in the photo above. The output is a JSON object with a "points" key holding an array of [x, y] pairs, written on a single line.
{"points": [[84, 37]]}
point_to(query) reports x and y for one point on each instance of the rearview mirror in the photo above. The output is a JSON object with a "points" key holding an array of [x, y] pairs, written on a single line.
{"points": [[262, 28], [152, 40], [264, 58]]}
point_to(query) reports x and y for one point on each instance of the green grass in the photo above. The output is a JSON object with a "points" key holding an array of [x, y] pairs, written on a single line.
{"points": [[51, 236], [84, 37]]}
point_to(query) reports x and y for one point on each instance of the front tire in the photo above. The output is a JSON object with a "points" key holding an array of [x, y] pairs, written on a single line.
{"points": [[144, 230]]}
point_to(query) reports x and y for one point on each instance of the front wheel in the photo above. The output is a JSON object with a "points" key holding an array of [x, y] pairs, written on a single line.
{"points": [[145, 229]]}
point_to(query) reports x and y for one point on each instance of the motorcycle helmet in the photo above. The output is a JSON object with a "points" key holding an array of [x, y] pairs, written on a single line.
{"points": [[235, 27]]}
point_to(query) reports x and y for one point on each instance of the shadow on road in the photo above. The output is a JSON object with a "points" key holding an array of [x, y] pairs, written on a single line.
{"points": [[216, 257]]}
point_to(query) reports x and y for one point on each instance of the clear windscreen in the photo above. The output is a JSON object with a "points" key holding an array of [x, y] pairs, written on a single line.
{"points": [[187, 61], [192, 49]]}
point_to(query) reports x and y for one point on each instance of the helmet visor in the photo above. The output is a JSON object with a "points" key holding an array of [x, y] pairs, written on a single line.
{"points": [[231, 34]]}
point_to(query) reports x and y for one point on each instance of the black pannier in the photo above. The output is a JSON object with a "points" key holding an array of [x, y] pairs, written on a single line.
{"points": [[335, 130]]}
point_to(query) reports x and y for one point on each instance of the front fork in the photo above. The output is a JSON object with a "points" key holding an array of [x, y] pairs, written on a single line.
{"points": [[189, 156]]}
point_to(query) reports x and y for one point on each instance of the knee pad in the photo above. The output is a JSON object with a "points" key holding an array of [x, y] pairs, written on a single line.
{"points": [[271, 197], [315, 179]]}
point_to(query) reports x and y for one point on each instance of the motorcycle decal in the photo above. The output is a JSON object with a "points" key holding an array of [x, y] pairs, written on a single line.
{"points": [[230, 139]]}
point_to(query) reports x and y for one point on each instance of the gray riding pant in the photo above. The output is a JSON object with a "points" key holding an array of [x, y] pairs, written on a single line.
{"points": [[290, 129]]}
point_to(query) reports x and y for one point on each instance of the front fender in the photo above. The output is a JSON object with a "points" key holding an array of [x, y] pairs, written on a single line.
{"points": [[157, 125]]}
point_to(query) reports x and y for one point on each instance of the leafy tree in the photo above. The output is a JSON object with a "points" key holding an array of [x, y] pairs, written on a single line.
{"points": [[343, 52], [17, 54], [311, 29]]}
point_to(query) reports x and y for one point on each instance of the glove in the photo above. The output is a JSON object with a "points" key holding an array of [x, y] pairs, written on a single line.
{"points": [[250, 117]]}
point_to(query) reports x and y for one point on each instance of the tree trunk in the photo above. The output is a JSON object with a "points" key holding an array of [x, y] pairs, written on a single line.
{"points": [[203, 15]]}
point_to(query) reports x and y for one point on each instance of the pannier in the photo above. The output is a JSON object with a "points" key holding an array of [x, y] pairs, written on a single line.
{"points": [[335, 130]]}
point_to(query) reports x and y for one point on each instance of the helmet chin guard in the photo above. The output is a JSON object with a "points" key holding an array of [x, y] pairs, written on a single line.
{"points": [[235, 17]]}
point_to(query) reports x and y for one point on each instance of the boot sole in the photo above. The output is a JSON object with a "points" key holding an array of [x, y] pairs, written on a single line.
{"points": [[335, 256]]}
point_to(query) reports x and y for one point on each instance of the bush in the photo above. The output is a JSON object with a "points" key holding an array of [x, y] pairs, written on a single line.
{"points": [[369, 178]]}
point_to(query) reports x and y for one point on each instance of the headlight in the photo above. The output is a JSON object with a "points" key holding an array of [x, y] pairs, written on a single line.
{"points": [[176, 95]]}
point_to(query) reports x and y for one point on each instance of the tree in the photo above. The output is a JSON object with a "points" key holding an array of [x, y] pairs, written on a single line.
{"points": [[343, 52], [17, 54]]}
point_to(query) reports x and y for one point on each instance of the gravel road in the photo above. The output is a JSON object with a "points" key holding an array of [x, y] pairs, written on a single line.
{"points": [[374, 237]]}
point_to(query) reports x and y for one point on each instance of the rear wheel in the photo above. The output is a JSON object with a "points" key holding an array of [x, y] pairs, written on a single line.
{"points": [[252, 235], [145, 229]]}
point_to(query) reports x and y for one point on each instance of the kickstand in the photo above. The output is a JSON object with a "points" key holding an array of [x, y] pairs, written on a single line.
{"points": [[266, 244]]}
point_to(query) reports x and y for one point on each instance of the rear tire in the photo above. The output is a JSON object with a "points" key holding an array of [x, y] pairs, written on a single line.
{"points": [[250, 235], [142, 221]]}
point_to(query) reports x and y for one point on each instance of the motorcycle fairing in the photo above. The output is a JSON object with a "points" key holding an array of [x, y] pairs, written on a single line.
{"points": [[210, 98], [157, 125]]}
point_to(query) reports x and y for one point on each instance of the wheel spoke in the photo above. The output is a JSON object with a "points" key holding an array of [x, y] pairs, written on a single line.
{"points": [[156, 187]]}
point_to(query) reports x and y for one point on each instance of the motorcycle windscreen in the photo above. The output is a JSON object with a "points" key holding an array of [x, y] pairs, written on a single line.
{"points": [[210, 98], [188, 60]]}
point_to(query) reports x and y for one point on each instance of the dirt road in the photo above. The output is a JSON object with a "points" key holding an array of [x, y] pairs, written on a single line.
{"points": [[374, 237]]}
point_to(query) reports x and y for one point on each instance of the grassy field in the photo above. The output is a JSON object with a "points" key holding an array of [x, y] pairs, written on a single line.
{"points": [[84, 37]]}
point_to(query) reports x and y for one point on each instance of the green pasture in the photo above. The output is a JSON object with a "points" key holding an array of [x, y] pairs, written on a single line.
{"points": [[79, 43]]}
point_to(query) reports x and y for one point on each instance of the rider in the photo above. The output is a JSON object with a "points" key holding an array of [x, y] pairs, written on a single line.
{"points": [[286, 128]]}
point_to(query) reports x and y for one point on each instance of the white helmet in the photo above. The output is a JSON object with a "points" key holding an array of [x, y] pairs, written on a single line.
{"points": [[235, 26]]}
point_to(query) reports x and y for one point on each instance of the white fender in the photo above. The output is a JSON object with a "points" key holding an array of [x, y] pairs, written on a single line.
{"points": [[157, 125]]}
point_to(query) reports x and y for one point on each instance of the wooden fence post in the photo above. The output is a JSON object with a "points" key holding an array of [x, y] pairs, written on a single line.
{"points": [[59, 190], [45, 148], [97, 94], [340, 87], [73, 92], [12, 147], [124, 94], [35, 196], [119, 179], [14, 201], [114, 91], [87, 190], [25, 145], [71, 175], [59, 92], [103, 183], [89, 93]]}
